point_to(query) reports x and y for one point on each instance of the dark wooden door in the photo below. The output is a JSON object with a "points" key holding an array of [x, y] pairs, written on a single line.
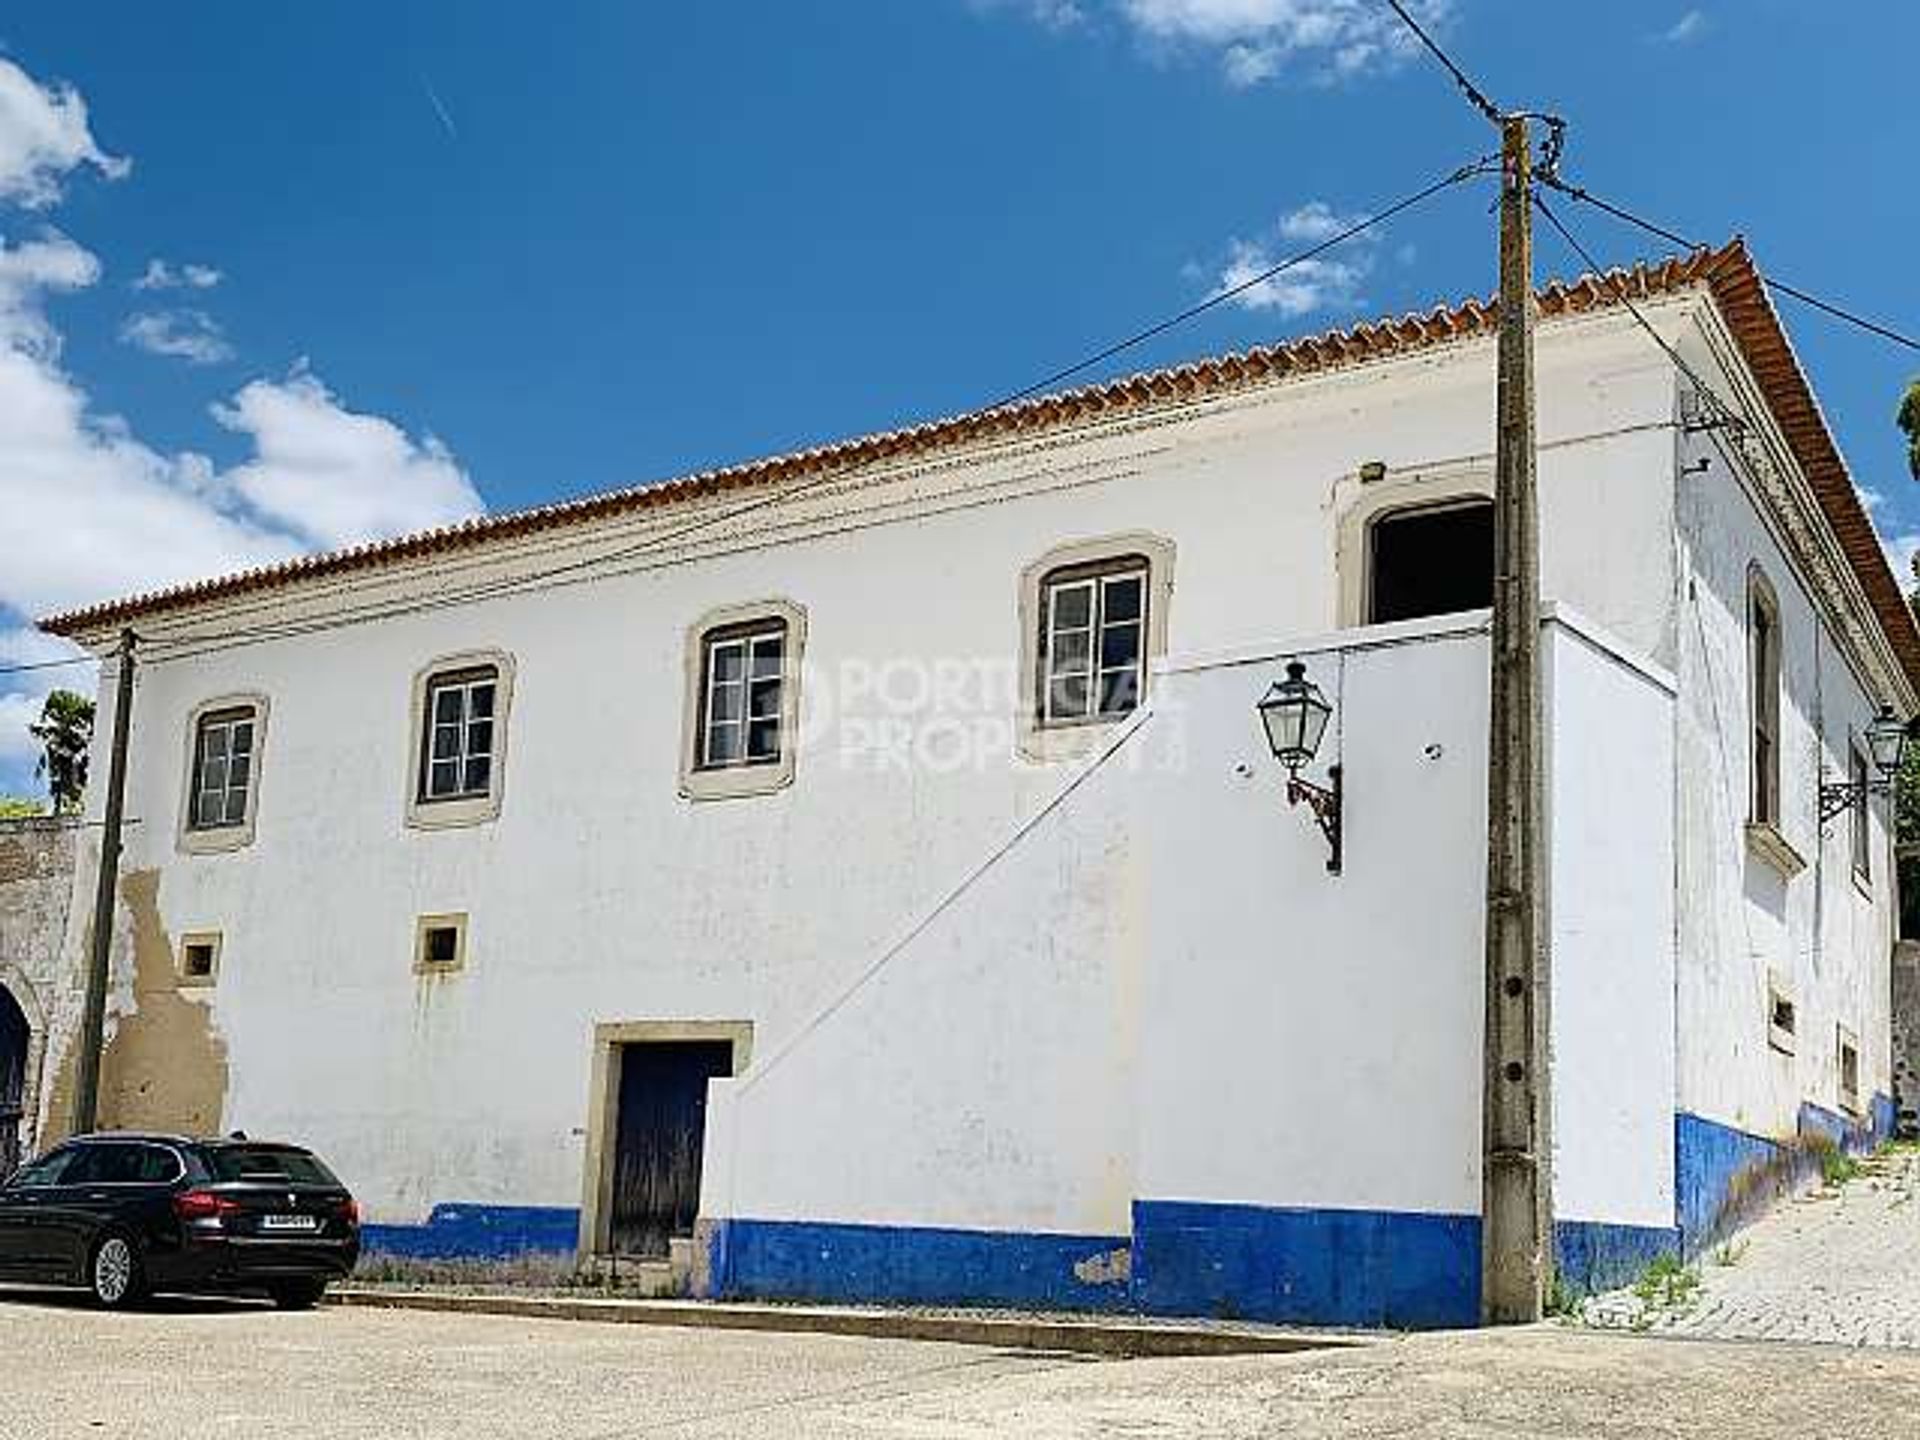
{"points": [[660, 1129], [13, 1079]]}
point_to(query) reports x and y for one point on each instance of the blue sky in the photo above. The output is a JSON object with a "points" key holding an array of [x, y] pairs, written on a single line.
{"points": [[419, 259]]}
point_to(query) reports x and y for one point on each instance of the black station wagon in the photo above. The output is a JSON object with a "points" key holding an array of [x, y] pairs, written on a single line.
{"points": [[125, 1215]]}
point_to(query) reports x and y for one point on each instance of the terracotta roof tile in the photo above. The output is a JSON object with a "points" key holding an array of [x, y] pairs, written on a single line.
{"points": [[1728, 272]]}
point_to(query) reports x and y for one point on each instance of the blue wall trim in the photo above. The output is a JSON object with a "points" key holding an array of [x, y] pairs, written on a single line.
{"points": [[805, 1260], [1591, 1255], [1399, 1269], [478, 1232]]}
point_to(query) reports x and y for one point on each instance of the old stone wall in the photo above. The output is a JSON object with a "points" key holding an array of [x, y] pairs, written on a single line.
{"points": [[1906, 1034], [37, 862]]}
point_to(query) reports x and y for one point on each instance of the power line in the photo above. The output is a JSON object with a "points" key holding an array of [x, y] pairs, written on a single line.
{"points": [[189, 645], [1612, 278], [47, 665], [1839, 312], [1475, 95]]}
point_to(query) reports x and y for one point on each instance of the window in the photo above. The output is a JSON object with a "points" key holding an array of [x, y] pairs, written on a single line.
{"points": [[199, 958], [742, 680], [222, 769], [277, 1164], [220, 792], [1860, 769], [1430, 560], [1093, 619], [1782, 1019], [741, 726], [1763, 678], [1092, 642], [440, 943], [456, 750], [1848, 1056], [460, 712], [48, 1170]]}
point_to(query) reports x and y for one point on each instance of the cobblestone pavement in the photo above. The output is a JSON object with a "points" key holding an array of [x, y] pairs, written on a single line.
{"points": [[215, 1371], [1834, 1266]]}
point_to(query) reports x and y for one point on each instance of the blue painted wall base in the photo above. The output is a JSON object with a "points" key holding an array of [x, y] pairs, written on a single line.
{"points": [[478, 1232]]}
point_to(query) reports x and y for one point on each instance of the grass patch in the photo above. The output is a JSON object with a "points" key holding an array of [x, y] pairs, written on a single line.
{"points": [[1668, 1286]]}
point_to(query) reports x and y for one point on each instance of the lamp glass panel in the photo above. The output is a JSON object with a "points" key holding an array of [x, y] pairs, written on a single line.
{"points": [[1887, 739]]}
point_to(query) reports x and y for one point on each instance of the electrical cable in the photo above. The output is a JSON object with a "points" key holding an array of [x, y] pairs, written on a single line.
{"points": [[1475, 95], [186, 645]]}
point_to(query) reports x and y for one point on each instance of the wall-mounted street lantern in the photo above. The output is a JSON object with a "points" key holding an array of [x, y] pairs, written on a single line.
{"points": [[1294, 714], [1886, 747]]}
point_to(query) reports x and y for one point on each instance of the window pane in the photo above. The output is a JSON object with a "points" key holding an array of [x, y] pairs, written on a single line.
{"points": [[446, 741], [213, 742], [763, 740], [1119, 691], [480, 738], [728, 663], [446, 704], [768, 652], [479, 769], [1119, 645], [765, 699], [723, 744], [238, 770], [480, 700], [1067, 697], [1121, 600], [207, 807], [242, 743], [1070, 652], [443, 777], [1072, 604], [727, 700]]}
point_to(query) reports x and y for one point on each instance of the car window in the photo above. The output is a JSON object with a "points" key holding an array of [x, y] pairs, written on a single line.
{"points": [[49, 1169], [154, 1164], [269, 1162]]}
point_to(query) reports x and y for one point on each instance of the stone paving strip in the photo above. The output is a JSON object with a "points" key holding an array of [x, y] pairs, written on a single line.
{"points": [[1839, 1266], [1124, 1336]]}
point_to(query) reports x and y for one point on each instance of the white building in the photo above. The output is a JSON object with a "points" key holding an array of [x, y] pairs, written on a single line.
{"points": [[752, 854]]}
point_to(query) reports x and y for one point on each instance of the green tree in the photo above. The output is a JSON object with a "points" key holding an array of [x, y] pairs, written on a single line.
{"points": [[64, 729], [1909, 420]]}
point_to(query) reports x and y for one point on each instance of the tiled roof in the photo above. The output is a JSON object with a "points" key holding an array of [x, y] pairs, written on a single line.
{"points": [[1728, 273]]}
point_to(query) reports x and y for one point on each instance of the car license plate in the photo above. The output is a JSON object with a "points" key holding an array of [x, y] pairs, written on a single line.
{"points": [[289, 1222]]}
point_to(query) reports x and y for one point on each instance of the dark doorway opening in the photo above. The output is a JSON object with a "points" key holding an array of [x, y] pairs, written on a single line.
{"points": [[14, 1036], [1434, 560], [659, 1132]]}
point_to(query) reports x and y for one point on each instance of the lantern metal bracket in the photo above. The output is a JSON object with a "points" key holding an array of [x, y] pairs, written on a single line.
{"points": [[1838, 796], [1324, 801]]}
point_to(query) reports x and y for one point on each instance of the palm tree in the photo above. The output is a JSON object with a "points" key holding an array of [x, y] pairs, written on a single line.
{"points": [[65, 728]]}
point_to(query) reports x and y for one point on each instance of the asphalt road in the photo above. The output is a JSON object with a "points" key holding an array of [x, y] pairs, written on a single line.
{"points": [[223, 1370]]}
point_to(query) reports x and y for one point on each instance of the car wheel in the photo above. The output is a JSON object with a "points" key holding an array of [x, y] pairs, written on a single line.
{"points": [[298, 1294], [114, 1274]]}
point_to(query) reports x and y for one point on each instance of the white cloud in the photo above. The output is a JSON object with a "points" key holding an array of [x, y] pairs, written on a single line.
{"points": [[190, 335], [1900, 552], [1258, 40], [44, 136], [1690, 26], [160, 275], [1327, 282], [332, 476]]}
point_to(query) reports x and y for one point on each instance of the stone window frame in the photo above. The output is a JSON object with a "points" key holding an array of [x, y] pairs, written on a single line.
{"points": [[1393, 494], [455, 920], [1844, 1041], [700, 782], [219, 839], [1783, 1038], [184, 979], [424, 814], [1051, 743]]}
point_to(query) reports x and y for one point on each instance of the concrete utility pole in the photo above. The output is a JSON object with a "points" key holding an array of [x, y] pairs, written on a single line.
{"points": [[1517, 1160], [93, 1022]]}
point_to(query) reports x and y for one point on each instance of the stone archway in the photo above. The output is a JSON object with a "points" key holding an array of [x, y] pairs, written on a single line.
{"points": [[16, 1045]]}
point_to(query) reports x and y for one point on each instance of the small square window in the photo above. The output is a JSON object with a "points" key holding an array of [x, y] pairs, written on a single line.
{"points": [[1782, 1018], [440, 943], [199, 958]]}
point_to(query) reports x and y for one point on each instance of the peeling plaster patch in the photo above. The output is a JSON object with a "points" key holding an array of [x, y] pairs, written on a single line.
{"points": [[1109, 1267], [165, 1066]]}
